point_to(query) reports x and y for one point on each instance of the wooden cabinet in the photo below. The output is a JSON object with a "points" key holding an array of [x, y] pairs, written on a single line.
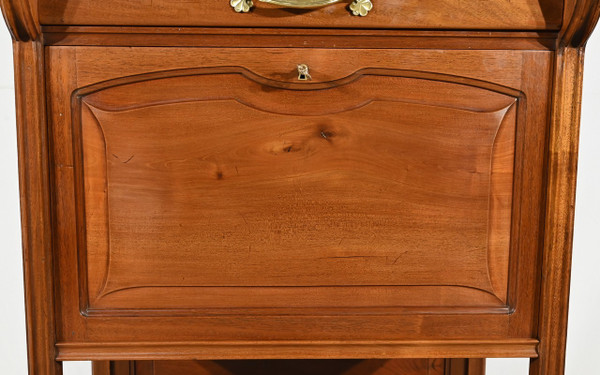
{"points": [[206, 185]]}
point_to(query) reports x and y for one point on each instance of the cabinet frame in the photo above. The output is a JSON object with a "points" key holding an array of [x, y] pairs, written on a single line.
{"points": [[35, 174]]}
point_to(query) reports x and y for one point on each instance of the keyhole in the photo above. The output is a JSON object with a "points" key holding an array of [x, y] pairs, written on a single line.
{"points": [[303, 74]]}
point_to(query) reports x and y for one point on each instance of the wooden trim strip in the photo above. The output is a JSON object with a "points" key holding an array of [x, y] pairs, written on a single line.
{"points": [[293, 31], [215, 350], [36, 218], [560, 204], [296, 38]]}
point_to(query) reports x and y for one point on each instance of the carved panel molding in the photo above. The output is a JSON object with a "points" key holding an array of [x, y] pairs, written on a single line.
{"points": [[287, 138]]}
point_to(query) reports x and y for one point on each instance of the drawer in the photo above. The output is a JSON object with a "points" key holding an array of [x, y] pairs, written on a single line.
{"points": [[219, 195], [404, 14]]}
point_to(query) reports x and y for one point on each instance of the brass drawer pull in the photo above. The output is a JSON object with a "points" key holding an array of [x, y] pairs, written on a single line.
{"points": [[358, 7], [301, 3]]}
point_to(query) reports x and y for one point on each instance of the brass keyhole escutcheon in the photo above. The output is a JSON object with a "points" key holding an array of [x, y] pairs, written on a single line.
{"points": [[303, 74]]}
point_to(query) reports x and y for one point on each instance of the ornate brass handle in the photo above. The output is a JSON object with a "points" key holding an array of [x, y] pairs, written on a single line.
{"points": [[358, 7], [301, 3]]}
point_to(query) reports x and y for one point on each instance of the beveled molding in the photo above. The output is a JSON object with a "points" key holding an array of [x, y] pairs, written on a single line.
{"points": [[87, 307], [217, 350], [404, 366], [144, 36], [21, 19], [579, 20]]}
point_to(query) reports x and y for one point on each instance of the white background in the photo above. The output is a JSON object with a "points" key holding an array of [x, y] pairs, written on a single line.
{"points": [[583, 348]]}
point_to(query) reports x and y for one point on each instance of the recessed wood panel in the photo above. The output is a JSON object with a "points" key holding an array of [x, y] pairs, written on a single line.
{"points": [[220, 189]]}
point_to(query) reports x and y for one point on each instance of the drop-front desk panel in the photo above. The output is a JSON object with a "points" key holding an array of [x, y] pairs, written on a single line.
{"points": [[360, 188], [217, 197]]}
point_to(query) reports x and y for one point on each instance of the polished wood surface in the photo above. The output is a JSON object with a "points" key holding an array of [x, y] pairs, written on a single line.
{"points": [[302, 199], [185, 197], [301, 174], [36, 213], [562, 173], [298, 367], [406, 14], [299, 38]]}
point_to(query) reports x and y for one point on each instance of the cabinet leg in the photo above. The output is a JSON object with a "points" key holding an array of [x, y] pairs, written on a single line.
{"points": [[35, 208], [558, 226], [476, 366], [472, 366], [101, 368]]}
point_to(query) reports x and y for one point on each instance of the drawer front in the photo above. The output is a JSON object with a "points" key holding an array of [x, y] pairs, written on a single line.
{"points": [[418, 14], [215, 190]]}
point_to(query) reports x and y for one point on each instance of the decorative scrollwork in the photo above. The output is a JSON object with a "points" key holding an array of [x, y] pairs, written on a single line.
{"points": [[241, 6], [361, 7]]}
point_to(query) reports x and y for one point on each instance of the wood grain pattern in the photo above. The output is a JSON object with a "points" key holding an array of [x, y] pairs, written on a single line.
{"points": [[274, 349], [503, 68], [295, 367], [580, 19], [36, 216], [297, 38], [371, 324], [558, 238], [313, 167], [21, 17], [358, 154], [420, 14]]}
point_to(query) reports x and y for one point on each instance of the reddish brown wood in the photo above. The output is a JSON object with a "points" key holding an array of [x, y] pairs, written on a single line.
{"points": [[108, 368], [35, 208], [295, 367], [277, 349], [94, 68], [413, 200], [21, 17], [476, 366], [231, 209], [317, 38], [580, 19], [409, 14]]}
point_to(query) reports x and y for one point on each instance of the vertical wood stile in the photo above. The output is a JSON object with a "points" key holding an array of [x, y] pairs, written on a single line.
{"points": [[579, 21], [35, 207]]}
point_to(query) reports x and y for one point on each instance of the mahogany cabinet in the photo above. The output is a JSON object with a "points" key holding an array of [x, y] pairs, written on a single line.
{"points": [[361, 187]]}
